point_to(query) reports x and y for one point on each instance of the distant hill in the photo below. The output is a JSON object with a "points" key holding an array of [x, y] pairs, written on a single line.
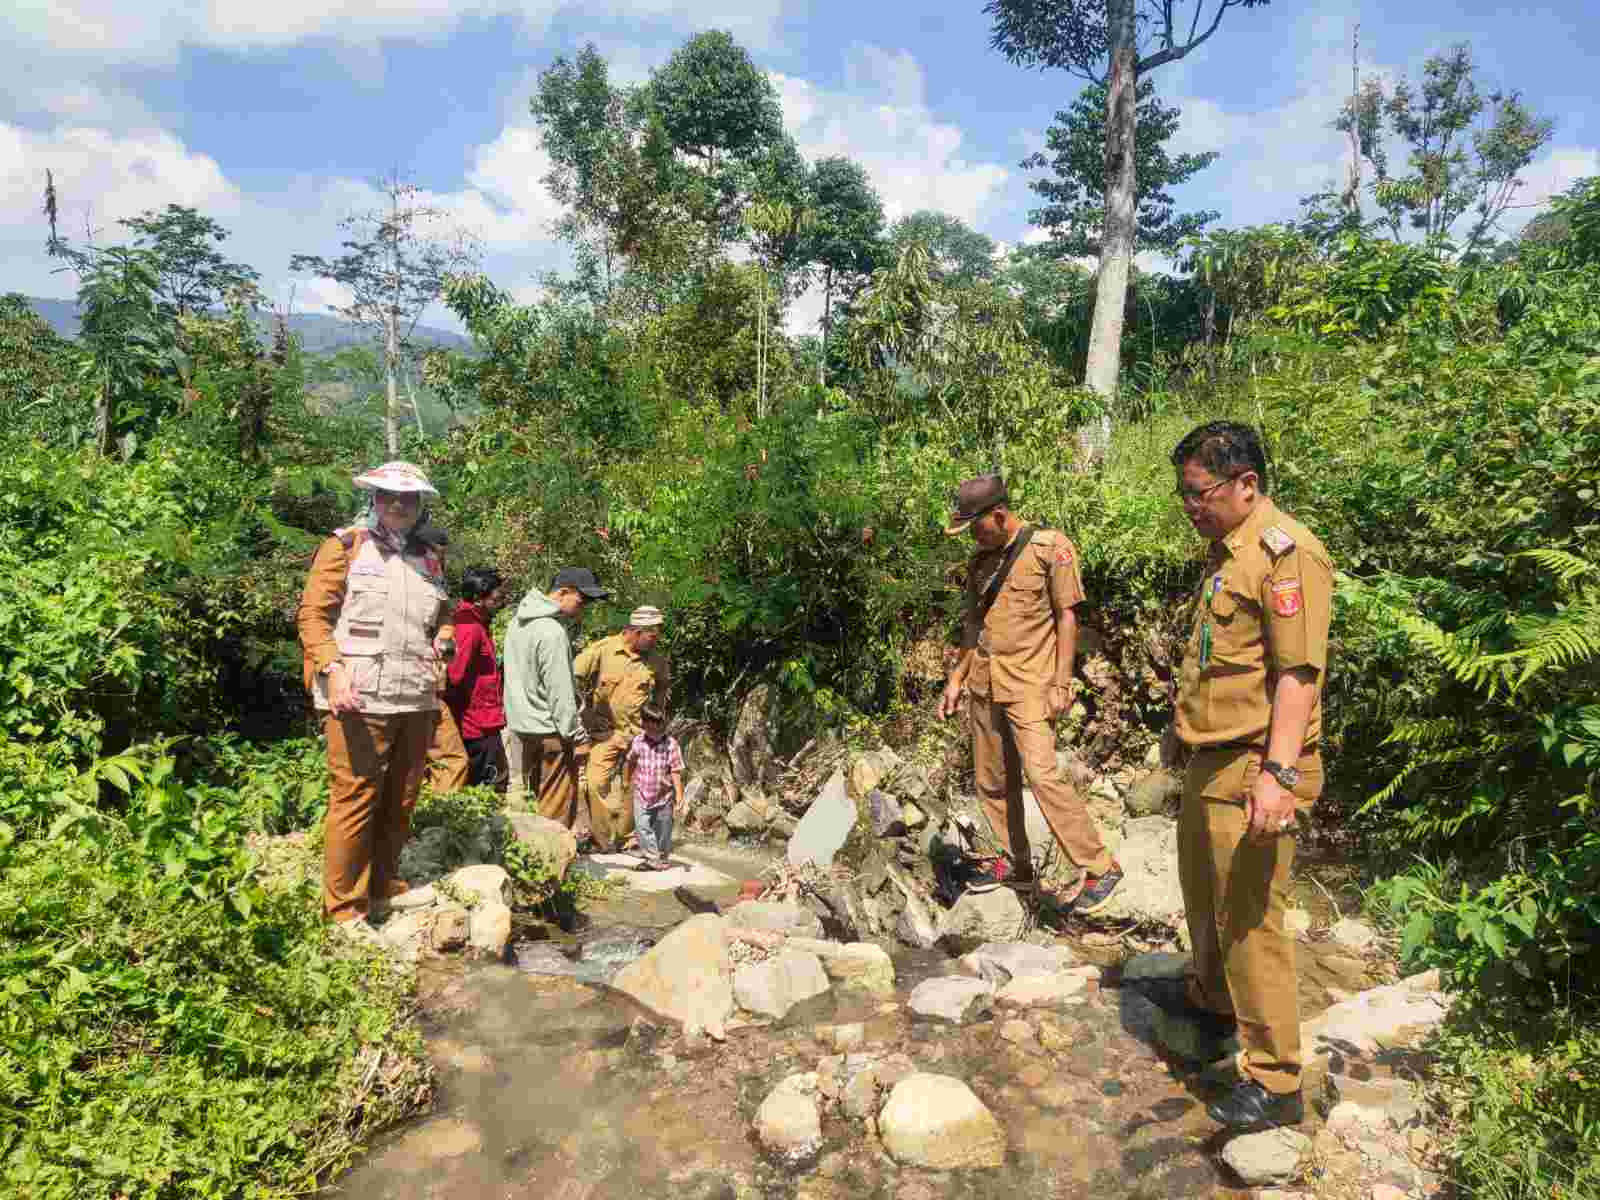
{"points": [[317, 332]]}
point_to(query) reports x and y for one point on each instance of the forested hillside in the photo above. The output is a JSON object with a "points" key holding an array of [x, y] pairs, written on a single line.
{"points": [[1433, 414]]}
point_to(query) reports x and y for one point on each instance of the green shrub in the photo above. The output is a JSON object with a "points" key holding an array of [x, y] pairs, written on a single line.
{"points": [[170, 1028]]}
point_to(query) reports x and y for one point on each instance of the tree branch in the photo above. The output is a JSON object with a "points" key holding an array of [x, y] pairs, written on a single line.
{"points": [[1174, 52]]}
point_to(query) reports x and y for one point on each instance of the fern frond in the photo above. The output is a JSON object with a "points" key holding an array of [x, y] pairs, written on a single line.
{"points": [[1566, 640], [1462, 656], [1425, 731], [1389, 790], [1564, 566]]}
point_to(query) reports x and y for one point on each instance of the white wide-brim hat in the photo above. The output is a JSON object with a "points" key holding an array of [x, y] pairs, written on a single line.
{"points": [[395, 477]]}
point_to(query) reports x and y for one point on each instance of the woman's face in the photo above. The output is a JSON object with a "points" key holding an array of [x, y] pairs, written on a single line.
{"points": [[495, 599], [398, 510]]}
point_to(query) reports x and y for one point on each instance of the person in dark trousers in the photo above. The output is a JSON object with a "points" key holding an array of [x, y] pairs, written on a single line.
{"points": [[473, 691]]}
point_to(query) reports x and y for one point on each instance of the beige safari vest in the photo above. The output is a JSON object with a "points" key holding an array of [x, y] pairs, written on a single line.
{"points": [[1267, 597], [624, 682], [377, 611]]}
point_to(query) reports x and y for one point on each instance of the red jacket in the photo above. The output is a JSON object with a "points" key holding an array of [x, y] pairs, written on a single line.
{"points": [[473, 690]]}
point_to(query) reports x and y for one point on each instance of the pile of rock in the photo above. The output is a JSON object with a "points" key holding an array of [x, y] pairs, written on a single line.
{"points": [[699, 974], [923, 1119], [467, 909]]}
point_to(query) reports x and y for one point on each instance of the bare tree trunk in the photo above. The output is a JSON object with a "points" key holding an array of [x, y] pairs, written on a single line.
{"points": [[827, 324], [1116, 244], [391, 358], [102, 418], [1352, 192]]}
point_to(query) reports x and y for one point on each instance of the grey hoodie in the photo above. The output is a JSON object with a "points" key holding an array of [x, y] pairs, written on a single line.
{"points": [[541, 695]]}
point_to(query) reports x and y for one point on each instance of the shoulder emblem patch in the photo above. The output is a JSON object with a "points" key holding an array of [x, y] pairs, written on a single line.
{"points": [[1063, 555], [1286, 597], [1276, 540]]}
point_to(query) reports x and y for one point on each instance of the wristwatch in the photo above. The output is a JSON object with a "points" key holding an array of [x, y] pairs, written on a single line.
{"points": [[1287, 776]]}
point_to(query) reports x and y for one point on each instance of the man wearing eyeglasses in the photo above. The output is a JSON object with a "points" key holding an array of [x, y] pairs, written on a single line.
{"points": [[1249, 711], [1017, 649]]}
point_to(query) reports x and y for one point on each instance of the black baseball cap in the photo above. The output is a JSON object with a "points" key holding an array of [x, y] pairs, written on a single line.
{"points": [[581, 580]]}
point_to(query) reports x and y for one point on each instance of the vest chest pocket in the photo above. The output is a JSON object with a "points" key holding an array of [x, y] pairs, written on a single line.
{"points": [[365, 599]]}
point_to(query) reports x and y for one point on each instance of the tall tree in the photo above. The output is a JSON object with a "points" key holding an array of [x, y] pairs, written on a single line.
{"points": [[396, 262], [183, 245], [721, 112], [1075, 209], [1465, 148], [843, 239], [611, 164], [1099, 41], [957, 253]]}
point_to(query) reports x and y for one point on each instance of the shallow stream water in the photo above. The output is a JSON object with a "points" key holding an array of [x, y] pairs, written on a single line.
{"points": [[551, 1087]]}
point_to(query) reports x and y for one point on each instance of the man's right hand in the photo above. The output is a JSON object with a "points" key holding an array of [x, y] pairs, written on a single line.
{"points": [[342, 697], [950, 702]]}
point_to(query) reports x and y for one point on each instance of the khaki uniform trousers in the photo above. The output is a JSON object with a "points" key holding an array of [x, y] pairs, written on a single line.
{"points": [[1235, 893], [545, 767], [1010, 740], [447, 757], [610, 812], [375, 768]]}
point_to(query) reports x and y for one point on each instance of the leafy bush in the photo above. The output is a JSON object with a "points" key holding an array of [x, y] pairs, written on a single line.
{"points": [[170, 1028]]}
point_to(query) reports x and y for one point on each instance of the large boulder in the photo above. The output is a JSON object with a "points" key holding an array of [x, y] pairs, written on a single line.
{"points": [[1149, 891], [1155, 794], [885, 813], [916, 925], [1043, 991], [854, 966], [773, 987], [685, 977], [754, 760], [951, 998], [826, 825], [774, 916], [550, 840], [1380, 1017], [788, 1122], [743, 817], [978, 917], [1266, 1158], [1001, 962], [935, 1121]]}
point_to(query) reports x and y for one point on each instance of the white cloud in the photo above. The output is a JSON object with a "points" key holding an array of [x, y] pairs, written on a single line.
{"points": [[884, 123], [117, 31]]}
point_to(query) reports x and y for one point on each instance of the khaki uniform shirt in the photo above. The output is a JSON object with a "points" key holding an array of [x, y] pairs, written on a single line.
{"points": [[1014, 645], [377, 612], [623, 683], [1267, 597]]}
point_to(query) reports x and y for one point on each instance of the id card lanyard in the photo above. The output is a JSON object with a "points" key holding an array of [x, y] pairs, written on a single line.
{"points": [[1205, 628]]}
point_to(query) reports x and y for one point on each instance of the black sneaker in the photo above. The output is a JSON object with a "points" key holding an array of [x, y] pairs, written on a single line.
{"points": [[1096, 892], [1250, 1108], [999, 873]]}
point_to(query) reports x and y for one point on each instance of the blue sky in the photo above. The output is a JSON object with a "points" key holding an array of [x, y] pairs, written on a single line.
{"points": [[275, 117]]}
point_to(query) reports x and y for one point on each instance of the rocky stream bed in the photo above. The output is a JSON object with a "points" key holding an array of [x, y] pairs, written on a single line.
{"points": [[688, 1043]]}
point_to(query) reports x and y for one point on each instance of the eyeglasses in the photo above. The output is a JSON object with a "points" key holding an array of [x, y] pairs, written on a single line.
{"points": [[1202, 495], [404, 499]]}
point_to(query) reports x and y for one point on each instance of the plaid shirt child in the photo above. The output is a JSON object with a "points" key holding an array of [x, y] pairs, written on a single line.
{"points": [[653, 764]]}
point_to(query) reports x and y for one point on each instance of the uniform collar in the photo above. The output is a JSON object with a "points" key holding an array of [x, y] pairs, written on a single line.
{"points": [[1249, 529]]}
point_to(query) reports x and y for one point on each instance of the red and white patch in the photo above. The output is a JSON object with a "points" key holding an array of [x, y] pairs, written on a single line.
{"points": [[1063, 557], [1286, 597]]}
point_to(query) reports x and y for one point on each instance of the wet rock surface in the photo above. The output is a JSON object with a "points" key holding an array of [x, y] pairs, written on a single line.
{"points": [[576, 1090]]}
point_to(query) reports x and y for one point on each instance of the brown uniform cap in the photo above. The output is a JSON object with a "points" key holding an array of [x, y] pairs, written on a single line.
{"points": [[974, 498]]}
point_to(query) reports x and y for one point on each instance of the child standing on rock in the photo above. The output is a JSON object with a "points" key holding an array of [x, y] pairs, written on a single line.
{"points": [[654, 770]]}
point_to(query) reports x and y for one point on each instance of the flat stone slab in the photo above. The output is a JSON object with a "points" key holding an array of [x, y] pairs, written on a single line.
{"points": [[684, 873]]}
